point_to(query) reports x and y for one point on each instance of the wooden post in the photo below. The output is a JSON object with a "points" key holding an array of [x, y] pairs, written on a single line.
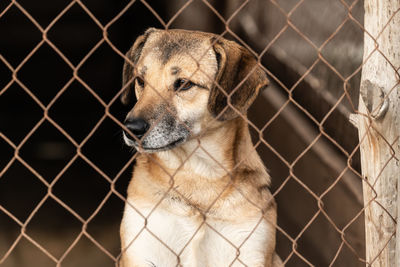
{"points": [[378, 123]]}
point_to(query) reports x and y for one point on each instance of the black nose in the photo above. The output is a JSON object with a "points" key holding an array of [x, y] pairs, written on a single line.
{"points": [[137, 126]]}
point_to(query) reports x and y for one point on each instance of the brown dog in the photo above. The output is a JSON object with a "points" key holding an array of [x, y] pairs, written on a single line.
{"points": [[199, 194]]}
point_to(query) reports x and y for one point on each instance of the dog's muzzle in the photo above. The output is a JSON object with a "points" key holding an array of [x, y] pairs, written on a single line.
{"points": [[163, 135]]}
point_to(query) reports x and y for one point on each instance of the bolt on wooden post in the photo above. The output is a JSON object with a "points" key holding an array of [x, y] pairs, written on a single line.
{"points": [[378, 123]]}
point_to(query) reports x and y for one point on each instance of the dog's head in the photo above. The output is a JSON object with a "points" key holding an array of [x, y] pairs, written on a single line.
{"points": [[185, 83]]}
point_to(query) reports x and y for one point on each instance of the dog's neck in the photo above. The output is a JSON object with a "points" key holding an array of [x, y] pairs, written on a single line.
{"points": [[214, 155]]}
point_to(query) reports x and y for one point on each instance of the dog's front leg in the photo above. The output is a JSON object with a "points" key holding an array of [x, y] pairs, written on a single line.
{"points": [[163, 239]]}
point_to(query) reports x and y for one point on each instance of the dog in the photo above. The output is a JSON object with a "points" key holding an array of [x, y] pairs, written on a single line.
{"points": [[199, 193]]}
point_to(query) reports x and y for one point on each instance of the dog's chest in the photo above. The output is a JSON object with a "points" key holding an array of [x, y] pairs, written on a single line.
{"points": [[162, 238]]}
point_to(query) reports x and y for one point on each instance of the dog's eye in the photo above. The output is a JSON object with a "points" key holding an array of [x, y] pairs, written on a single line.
{"points": [[183, 84], [140, 81]]}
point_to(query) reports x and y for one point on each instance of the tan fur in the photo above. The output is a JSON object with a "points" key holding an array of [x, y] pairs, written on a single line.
{"points": [[214, 180]]}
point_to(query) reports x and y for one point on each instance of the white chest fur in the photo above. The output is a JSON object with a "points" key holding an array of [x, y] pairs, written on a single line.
{"points": [[165, 239]]}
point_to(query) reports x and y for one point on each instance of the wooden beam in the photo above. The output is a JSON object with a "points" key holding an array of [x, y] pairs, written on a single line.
{"points": [[378, 122]]}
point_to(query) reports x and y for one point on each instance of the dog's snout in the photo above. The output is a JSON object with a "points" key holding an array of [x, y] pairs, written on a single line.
{"points": [[137, 126]]}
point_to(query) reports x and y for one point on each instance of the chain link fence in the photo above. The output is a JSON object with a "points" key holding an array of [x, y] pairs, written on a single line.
{"points": [[63, 177]]}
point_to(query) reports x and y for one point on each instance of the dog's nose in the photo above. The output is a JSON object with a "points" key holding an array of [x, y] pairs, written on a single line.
{"points": [[137, 126]]}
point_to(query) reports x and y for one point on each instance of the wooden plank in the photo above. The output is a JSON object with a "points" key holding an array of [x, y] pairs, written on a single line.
{"points": [[378, 123]]}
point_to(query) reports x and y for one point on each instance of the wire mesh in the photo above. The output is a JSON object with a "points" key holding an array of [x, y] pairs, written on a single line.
{"points": [[106, 115]]}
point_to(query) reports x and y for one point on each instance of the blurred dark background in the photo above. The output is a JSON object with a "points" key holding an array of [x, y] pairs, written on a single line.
{"points": [[291, 131]]}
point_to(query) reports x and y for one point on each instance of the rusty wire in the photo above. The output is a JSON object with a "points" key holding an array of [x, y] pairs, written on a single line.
{"points": [[112, 180]]}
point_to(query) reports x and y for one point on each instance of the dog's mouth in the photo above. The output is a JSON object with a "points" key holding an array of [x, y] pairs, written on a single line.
{"points": [[163, 148], [143, 147]]}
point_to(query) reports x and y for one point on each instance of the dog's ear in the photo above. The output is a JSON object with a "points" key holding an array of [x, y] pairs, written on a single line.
{"points": [[131, 59], [238, 75]]}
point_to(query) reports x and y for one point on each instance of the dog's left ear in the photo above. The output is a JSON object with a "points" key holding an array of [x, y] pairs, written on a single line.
{"points": [[131, 59], [239, 76]]}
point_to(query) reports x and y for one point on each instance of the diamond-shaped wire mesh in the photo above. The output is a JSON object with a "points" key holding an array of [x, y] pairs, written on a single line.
{"points": [[64, 170]]}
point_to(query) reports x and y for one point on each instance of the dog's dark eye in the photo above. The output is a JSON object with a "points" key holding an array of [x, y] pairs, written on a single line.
{"points": [[140, 81], [182, 85]]}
